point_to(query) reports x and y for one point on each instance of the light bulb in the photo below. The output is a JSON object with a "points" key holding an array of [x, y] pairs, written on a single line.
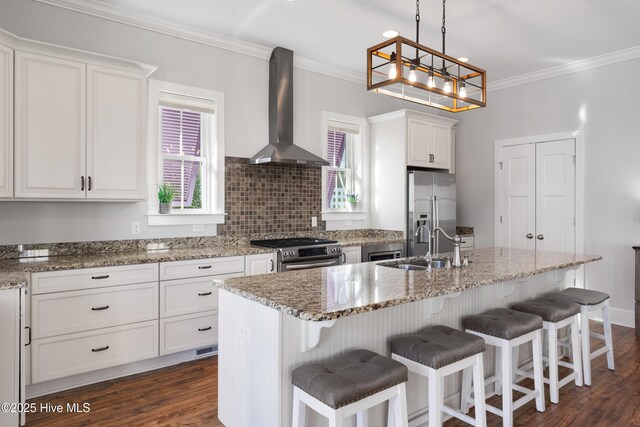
{"points": [[393, 72], [447, 85], [412, 74], [462, 91], [431, 82]]}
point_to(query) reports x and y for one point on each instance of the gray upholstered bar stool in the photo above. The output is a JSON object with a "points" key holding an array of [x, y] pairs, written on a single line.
{"points": [[435, 352], [506, 329], [350, 384], [556, 314], [589, 301]]}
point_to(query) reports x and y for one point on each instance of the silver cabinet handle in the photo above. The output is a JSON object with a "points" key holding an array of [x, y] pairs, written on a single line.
{"points": [[208, 328], [272, 265], [529, 236], [99, 308], [540, 236], [303, 266], [432, 158], [95, 350]]}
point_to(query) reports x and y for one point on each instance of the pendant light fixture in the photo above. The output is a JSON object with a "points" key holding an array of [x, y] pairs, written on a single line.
{"points": [[405, 69]]}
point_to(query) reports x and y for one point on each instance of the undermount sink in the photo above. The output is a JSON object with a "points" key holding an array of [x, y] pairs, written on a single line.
{"points": [[419, 265]]}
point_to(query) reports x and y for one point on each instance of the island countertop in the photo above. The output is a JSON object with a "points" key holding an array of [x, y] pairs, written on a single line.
{"points": [[321, 294]]}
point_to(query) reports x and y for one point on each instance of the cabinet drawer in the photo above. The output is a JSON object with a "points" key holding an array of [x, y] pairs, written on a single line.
{"points": [[88, 351], [88, 278], [188, 332], [68, 312], [201, 267], [178, 297]]}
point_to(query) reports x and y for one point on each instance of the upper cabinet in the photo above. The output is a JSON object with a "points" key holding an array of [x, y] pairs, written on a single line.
{"points": [[80, 130], [50, 140], [428, 144], [6, 121]]}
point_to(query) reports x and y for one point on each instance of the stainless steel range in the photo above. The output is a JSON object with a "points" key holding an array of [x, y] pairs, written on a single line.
{"points": [[300, 253]]}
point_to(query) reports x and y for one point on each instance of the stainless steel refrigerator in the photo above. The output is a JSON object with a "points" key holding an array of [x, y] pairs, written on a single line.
{"points": [[431, 199]]}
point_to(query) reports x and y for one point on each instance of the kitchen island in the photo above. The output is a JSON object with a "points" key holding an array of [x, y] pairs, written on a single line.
{"points": [[269, 325]]}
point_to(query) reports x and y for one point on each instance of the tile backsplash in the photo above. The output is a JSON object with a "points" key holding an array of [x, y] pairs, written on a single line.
{"points": [[271, 198]]}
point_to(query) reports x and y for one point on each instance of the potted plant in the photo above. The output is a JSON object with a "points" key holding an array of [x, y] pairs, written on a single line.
{"points": [[353, 199], [166, 193]]}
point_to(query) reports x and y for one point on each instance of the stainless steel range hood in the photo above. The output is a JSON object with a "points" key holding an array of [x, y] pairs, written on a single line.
{"points": [[281, 148]]}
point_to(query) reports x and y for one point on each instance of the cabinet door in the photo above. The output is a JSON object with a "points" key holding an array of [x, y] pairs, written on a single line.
{"points": [[418, 143], [260, 264], [49, 127], [10, 353], [6, 121], [439, 146], [116, 145], [352, 255]]}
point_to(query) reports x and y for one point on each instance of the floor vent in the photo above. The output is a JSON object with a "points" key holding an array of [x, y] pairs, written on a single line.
{"points": [[203, 351]]}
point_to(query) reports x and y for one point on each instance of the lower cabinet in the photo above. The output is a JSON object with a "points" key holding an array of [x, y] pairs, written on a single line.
{"points": [[351, 254], [260, 264], [10, 351], [72, 354], [187, 332]]}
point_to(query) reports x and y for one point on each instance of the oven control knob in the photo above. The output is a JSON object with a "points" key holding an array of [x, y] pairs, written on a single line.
{"points": [[285, 254], [339, 249], [333, 249], [292, 253]]}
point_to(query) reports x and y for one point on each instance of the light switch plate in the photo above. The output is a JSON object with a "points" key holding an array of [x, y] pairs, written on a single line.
{"points": [[135, 227], [314, 221]]}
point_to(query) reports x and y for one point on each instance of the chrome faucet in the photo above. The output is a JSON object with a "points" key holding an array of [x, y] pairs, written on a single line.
{"points": [[456, 246], [427, 257]]}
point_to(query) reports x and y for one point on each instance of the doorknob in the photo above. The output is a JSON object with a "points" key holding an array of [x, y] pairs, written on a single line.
{"points": [[529, 236], [540, 236]]}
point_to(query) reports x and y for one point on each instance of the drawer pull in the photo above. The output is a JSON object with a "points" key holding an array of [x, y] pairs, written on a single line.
{"points": [[204, 294], [99, 308], [106, 276], [208, 328], [96, 350], [204, 267]]}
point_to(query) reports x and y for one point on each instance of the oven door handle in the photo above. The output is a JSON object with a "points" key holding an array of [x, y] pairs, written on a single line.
{"points": [[317, 264]]}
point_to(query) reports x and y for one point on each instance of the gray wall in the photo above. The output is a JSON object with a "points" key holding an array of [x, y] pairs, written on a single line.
{"points": [[242, 78], [612, 184]]}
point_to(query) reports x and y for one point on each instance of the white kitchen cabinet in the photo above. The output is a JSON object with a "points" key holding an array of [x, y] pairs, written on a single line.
{"points": [[201, 267], [188, 332], [80, 129], [10, 353], [260, 264], [351, 254], [428, 144], [50, 139], [116, 129], [399, 140], [6, 121]]}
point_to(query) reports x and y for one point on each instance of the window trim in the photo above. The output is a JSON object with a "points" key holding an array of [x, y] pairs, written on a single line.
{"points": [[363, 178], [214, 213]]}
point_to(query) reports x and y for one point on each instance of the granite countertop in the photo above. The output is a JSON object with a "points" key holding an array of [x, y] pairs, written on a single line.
{"points": [[330, 293], [14, 272]]}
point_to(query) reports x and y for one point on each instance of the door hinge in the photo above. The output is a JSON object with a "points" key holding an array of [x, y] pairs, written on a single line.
{"points": [[574, 159], [574, 221], [500, 164], [500, 219]]}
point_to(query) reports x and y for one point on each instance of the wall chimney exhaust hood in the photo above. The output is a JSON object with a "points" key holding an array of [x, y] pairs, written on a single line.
{"points": [[281, 148]]}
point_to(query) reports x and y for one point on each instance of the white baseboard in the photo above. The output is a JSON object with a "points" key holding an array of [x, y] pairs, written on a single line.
{"points": [[53, 386], [618, 316]]}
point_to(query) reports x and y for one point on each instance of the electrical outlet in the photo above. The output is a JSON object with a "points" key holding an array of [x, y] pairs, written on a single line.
{"points": [[314, 221], [135, 227], [199, 227]]}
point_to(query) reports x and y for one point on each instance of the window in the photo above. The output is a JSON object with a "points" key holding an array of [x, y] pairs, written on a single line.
{"points": [[344, 180], [187, 153]]}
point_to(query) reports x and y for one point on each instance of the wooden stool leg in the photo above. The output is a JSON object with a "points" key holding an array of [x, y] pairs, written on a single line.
{"points": [[478, 392], [575, 352], [498, 367], [362, 419], [537, 369], [298, 409], [507, 385], [436, 400], [608, 338], [586, 344], [336, 419], [400, 414], [554, 390], [465, 392]]}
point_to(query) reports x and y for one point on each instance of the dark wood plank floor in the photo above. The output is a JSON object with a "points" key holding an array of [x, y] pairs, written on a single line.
{"points": [[186, 395]]}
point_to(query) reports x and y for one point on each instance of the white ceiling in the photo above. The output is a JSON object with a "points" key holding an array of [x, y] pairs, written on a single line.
{"points": [[506, 37]]}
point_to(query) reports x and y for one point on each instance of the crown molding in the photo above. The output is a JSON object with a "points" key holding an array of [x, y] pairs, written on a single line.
{"points": [[102, 10], [568, 68]]}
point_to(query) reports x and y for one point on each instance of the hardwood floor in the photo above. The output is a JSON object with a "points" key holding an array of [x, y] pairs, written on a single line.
{"points": [[186, 395]]}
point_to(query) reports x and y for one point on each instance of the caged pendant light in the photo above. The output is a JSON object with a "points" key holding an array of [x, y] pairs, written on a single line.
{"points": [[406, 69]]}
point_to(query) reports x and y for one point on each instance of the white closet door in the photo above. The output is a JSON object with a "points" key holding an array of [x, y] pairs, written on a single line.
{"points": [[555, 196], [6, 121], [518, 194]]}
